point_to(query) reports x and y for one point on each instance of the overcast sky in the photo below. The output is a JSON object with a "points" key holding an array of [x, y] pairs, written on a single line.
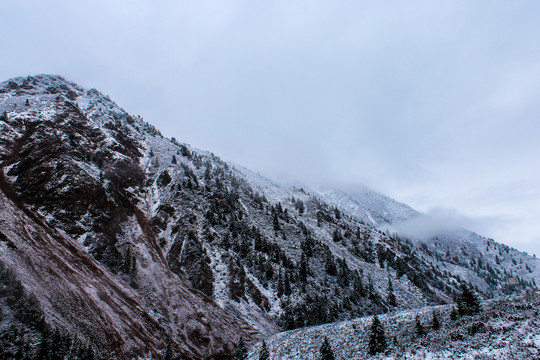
{"points": [[436, 104]]}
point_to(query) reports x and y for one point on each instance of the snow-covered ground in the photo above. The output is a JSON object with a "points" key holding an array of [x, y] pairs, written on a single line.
{"points": [[506, 328]]}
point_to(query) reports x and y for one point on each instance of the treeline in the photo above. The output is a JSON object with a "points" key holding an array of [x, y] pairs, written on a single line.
{"points": [[466, 304], [25, 334]]}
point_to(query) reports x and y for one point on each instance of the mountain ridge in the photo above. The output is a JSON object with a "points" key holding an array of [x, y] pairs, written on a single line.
{"points": [[181, 229]]}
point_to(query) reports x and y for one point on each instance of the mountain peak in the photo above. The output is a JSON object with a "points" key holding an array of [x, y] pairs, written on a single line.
{"points": [[152, 239]]}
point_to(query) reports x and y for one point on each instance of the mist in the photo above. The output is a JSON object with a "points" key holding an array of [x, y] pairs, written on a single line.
{"points": [[433, 104]]}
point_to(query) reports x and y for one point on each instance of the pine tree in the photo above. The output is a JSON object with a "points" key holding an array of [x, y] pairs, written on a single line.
{"points": [[303, 271], [126, 262], [343, 275], [418, 328], [276, 222], [467, 302], [358, 286], [241, 351], [370, 289], [287, 284], [56, 351], [299, 204], [453, 313], [288, 317], [435, 323], [168, 353], [391, 296], [43, 349], [280, 284], [87, 354], [264, 354], [326, 350], [330, 266], [377, 340], [336, 236], [337, 213]]}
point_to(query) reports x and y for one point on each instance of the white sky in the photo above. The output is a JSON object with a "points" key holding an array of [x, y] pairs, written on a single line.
{"points": [[434, 103]]}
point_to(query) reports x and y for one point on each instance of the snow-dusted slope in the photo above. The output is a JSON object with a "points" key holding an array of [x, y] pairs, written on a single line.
{"points": [[373, 208], [209, 251], [77, 235], [507, 328], [73, 289], [445, 244]]}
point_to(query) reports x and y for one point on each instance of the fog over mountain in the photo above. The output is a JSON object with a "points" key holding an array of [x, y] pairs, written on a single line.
{"points": [[118, 242], [433, 104]]}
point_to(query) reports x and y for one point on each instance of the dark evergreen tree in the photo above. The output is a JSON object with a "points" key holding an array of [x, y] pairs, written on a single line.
{"points": [[185, 151], [343, 275], [453, 313], [168, 353], [326, 350], [467, 302], [391, 296], [276, 222], [287, 284], [299, 204], [43, 349], [377, 339], [126, 266], [370, 290], [87, 354], [279, 209], [264, 354], [237, 281], [336, 236], [435, 322], [337, 213], [280, 284], [419, 330], [303, 271], [288, 319], [241, 351], [330, 266]]}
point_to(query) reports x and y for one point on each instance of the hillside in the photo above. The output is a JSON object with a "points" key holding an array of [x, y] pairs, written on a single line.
{"points": [[506, 328], [100, 209], [460, 251]]}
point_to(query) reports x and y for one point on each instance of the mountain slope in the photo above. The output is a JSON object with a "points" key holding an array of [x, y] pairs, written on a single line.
{"points": [[506, 328], [64, 222], [209, 251], [464, 253], [371, 207]]}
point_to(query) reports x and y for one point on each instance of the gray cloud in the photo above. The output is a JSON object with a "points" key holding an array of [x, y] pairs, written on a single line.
{"points": [[435, 104], [439, 221]]}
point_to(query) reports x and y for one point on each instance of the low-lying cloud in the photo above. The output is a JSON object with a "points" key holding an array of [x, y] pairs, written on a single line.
{"points": [[433, 103], [439, 221]]}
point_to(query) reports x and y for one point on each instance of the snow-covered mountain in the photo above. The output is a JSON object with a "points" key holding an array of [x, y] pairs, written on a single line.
{"points": [[442, 241], [134, 243], [371, 207]]}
